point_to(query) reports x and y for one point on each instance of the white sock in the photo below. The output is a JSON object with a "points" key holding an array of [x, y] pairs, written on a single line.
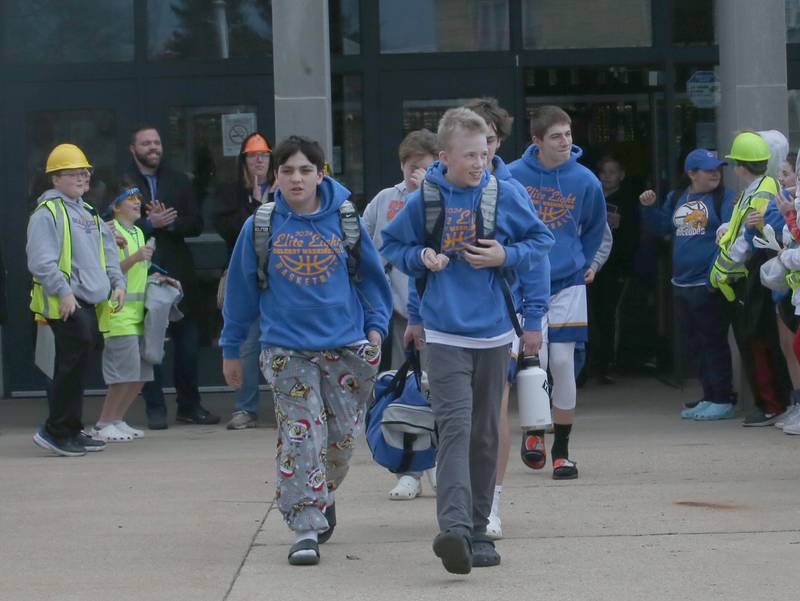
{"points": [[498, 490], [304, 534], [101, 425]]}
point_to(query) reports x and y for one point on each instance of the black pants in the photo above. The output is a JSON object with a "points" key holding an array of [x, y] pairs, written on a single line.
{"points": [[604, 296], [184, 335], [756, 333], [703, 318], [75, 338]]}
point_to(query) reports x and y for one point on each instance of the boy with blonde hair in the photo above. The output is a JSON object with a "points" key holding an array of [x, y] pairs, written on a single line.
{"points": [[457, 236]]}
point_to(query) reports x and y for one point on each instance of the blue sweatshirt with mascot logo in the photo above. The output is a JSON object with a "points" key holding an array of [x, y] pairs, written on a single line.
{"points": [[311, 303], [569, 200], [460, 299], [541, 287]]}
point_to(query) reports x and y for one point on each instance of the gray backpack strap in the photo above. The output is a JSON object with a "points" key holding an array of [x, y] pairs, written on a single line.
{"points": [[432, 202], [348, 216], [262, 241], [489, 207]]}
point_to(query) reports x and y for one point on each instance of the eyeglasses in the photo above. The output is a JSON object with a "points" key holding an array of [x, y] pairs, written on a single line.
{"points": [[82, 174], [264, 156]]}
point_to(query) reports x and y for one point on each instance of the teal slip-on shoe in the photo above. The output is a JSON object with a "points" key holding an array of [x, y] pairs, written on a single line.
{"points": [[716, 411], [693, 411]]}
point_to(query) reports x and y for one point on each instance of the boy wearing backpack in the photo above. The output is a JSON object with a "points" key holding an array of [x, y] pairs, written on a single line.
{"points": [[305, 266], [417, 151], [569, 199], [456, 236]]}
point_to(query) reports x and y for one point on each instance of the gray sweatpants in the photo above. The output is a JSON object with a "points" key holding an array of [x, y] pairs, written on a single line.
{"points": [[466, 386], [320, 401]]}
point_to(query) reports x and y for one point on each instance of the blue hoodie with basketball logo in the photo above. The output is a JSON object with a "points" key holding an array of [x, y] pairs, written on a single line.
{"points": [[460, 299], [311, 303], [569, 200]]}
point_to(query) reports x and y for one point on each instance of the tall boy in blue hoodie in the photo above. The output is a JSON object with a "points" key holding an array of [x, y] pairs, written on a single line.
{"points": [[321, 331], [569, 199], [467, 327]]}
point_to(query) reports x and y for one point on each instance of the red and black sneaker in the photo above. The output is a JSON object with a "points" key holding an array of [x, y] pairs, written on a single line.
{"points": [[533, 451], [564, 469]]}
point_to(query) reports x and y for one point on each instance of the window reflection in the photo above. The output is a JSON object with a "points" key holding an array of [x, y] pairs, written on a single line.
{"points": [[581, 24], [204, 142], [794, 118], [443, 25], [693, 22], [793, 21], [67, 31], [208, 29], [345, 26], [94, 131], [418, 114], [348, 135]]}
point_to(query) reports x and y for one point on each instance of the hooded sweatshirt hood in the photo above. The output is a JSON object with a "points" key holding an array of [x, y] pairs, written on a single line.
{"points": [[569, 200]]}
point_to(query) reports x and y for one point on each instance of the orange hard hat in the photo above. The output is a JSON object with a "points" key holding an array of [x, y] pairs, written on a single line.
{"points": [[256, 143]]}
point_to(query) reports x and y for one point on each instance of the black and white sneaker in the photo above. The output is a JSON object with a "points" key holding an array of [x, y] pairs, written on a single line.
{"points": [[760, 418], [90, 444], [65, 448]]}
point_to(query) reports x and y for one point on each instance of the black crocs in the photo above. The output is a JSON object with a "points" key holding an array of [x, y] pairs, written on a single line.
{"points": [[304, 559], [454, 547], [330, 515], [484, 555]]}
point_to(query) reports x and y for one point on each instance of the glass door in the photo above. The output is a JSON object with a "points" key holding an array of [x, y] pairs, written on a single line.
{"points": [[94, 116], [202, 124], [412, 100], [629, 128]]}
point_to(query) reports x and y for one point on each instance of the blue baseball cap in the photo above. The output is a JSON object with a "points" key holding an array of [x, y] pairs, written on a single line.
{"points": [[700, 158]]}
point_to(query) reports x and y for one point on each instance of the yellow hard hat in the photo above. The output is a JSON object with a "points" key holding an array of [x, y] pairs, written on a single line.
{"points": [[749, 147], [66, 156]]}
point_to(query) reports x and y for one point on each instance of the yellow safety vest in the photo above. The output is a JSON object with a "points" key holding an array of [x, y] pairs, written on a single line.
{"points": [[130, 320], [757, 201], [47, 307], [793, 280]]}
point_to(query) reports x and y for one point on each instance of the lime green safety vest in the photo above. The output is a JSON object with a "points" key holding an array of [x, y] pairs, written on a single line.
{"points": [[47, 307], [130, 321], [757, 201]]}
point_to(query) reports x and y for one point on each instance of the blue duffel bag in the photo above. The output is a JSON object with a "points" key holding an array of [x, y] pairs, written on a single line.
{"points": [[401, 429]]}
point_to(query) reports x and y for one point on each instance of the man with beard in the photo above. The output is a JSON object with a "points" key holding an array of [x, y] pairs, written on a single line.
{"points": [[170, 214]]}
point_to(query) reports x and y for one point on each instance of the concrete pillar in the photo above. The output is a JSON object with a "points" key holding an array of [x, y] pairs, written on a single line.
{"points": [[302, 63], [752, 68], [752, 72]]}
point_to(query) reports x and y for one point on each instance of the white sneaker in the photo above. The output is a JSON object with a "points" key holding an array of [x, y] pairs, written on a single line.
{"points": [[123, 426], [110, 433], [494, 529], [792, 423], [407, 488], [788, 416], [793, 428]]}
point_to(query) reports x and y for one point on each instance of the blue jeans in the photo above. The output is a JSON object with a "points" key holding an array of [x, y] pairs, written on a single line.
{"points": [[247, 396]]}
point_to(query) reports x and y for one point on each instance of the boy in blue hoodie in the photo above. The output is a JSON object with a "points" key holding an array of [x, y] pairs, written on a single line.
{"points": [[467, 326], [323, 311], [500, 127], [569, 199]]}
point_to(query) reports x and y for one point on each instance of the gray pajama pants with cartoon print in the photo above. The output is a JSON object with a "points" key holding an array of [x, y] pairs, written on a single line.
{"points": [[320, 402]]}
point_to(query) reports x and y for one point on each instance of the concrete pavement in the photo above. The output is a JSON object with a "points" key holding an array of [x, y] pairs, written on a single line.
{"points": [[663, 509]]}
